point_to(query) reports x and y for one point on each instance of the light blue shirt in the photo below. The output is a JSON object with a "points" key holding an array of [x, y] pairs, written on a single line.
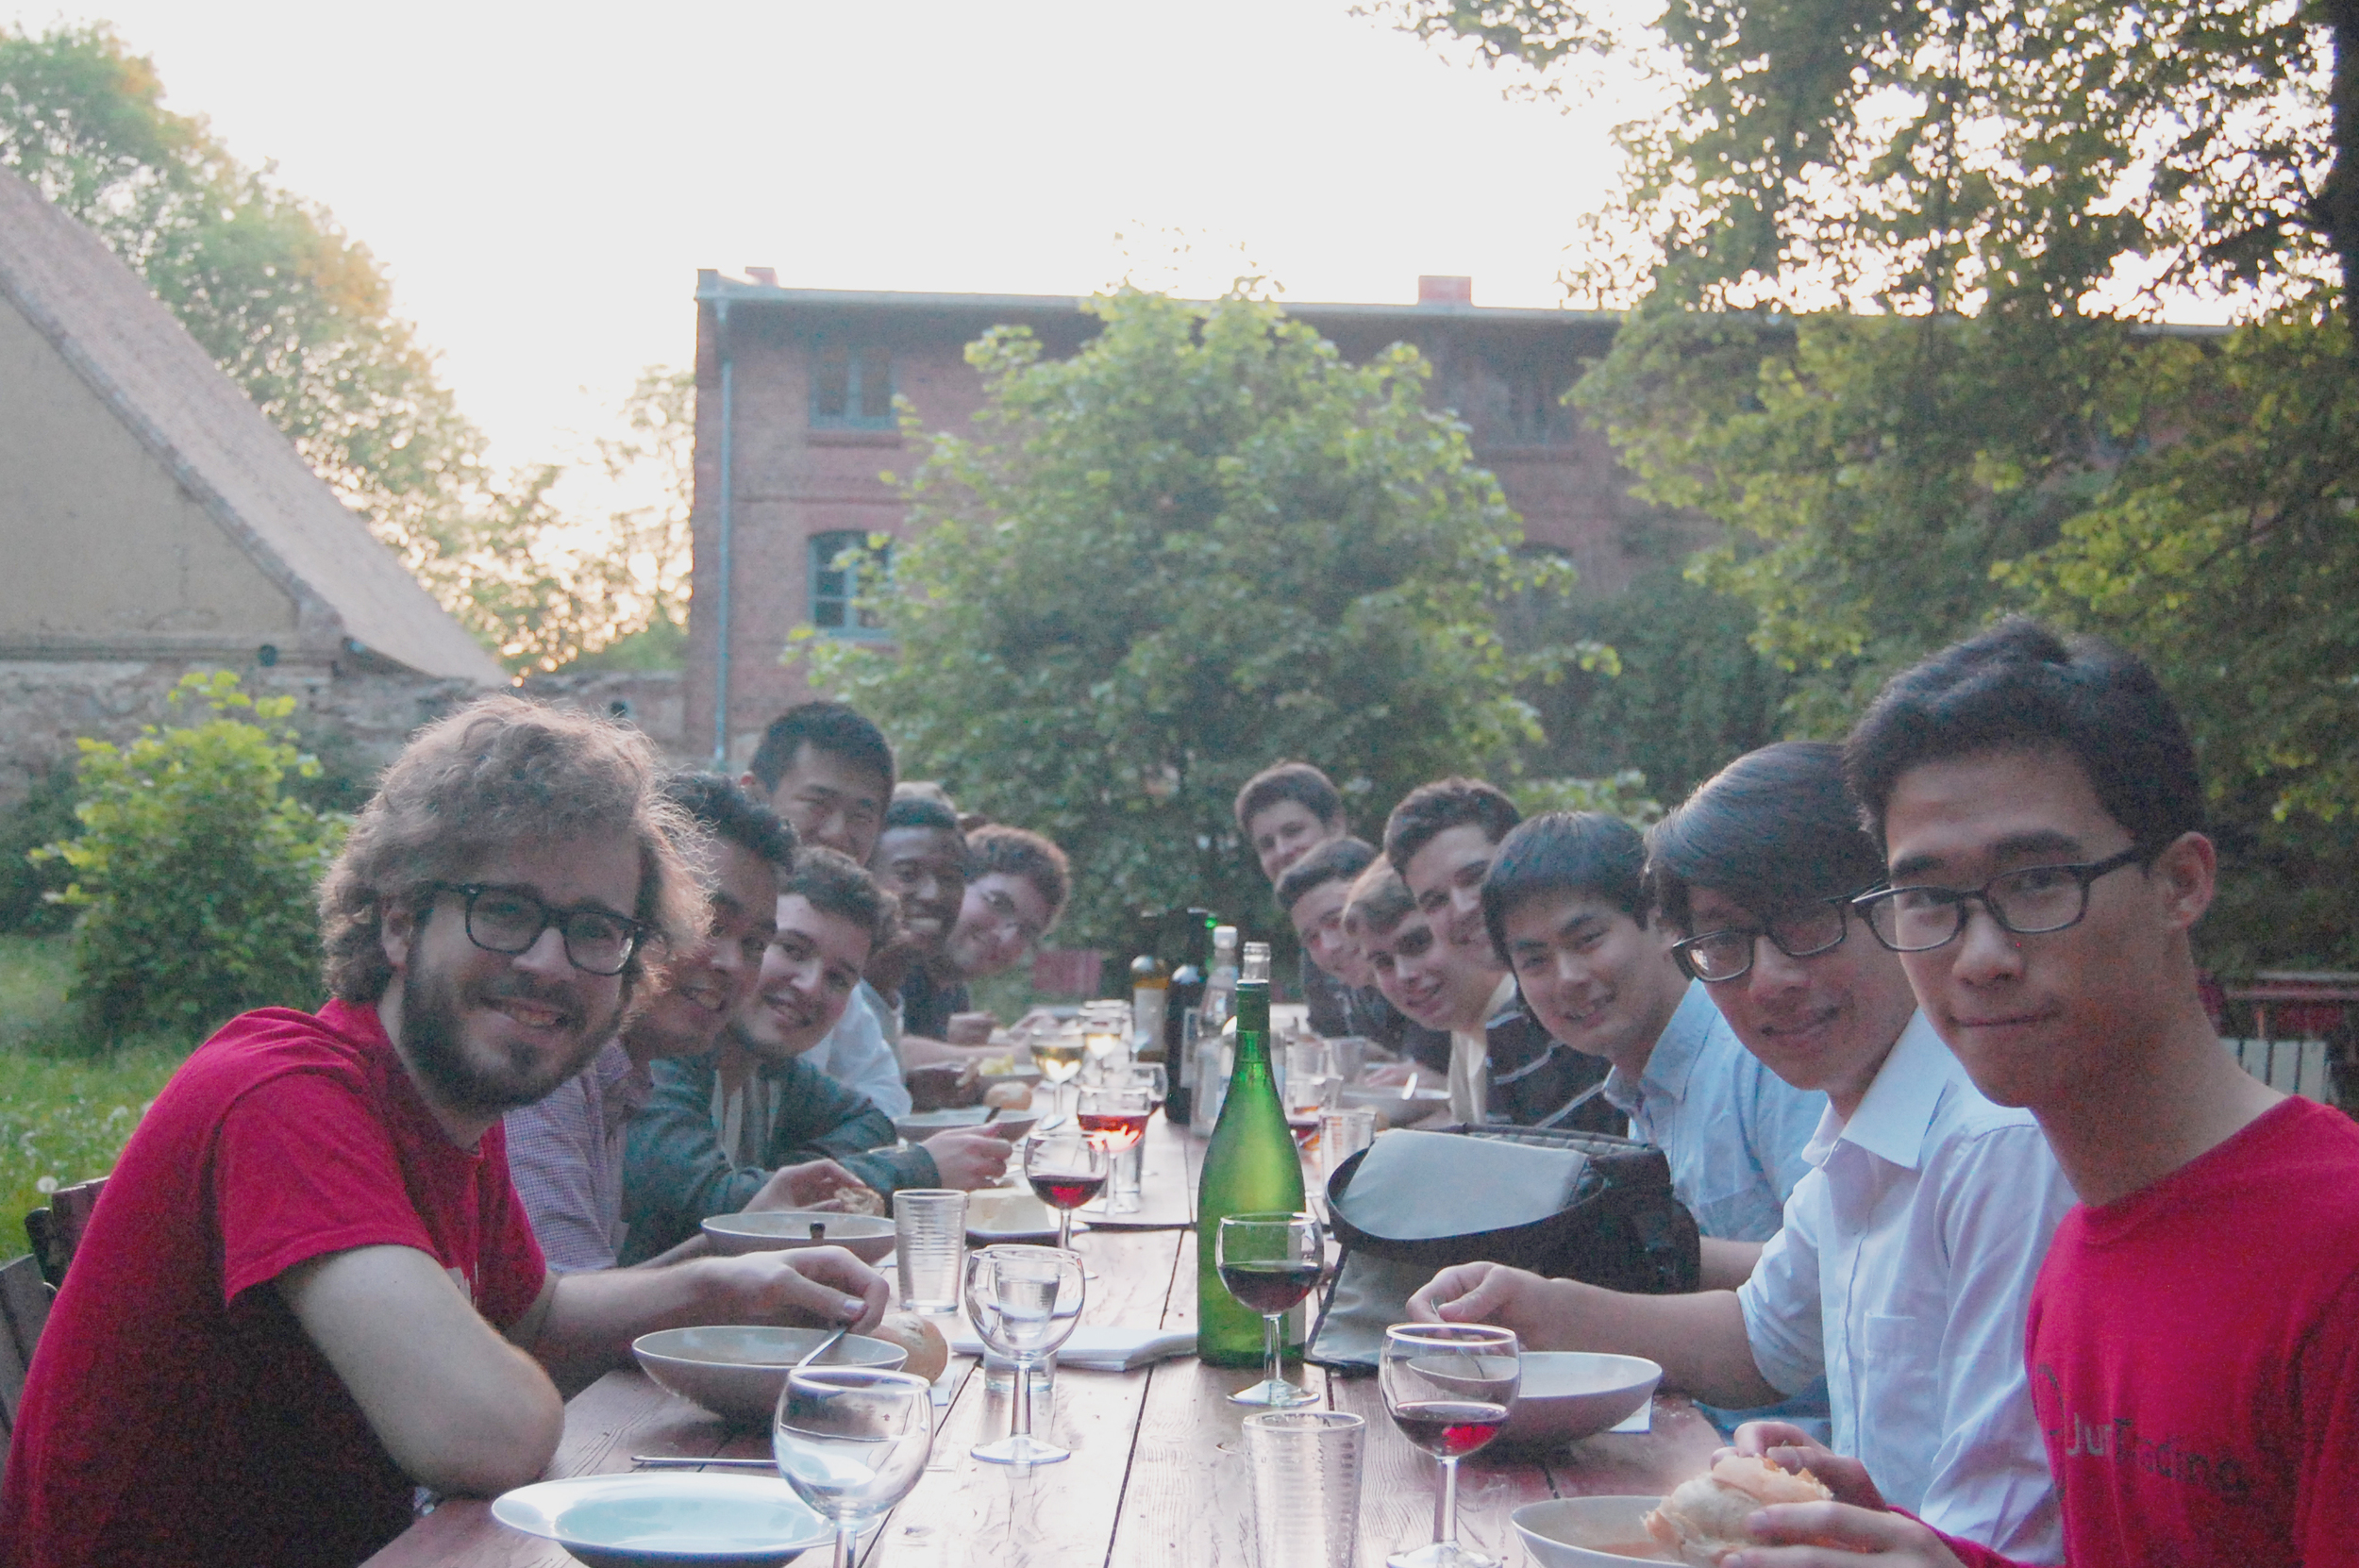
{"points": [[1733, 1130], [858, 1053]]}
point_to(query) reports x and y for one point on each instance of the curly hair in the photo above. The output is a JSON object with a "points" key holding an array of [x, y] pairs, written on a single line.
{"points": [[838, 885], [499, 773], [1020, 852]]}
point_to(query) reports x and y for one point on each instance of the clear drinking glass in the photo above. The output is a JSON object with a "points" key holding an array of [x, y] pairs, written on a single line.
{"points": [[1306, 1485], [1269, 1262], [929, 1237], [1057, 1054], [1066, 1168], [1447, 1387], [851, 1442], [1024, 1302], [1105, 1034]]}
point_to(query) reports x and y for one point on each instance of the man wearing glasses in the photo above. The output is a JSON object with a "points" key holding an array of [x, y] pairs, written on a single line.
{"points": [[309, 1287], [1908, 1252], [2194, 1340]]}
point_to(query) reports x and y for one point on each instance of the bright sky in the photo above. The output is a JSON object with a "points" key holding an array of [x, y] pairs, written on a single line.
{"points": [[544, 182]]}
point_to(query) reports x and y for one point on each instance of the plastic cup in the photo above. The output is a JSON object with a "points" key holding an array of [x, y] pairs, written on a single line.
{"points": [[1306, 1487], [1344, 1133], [929, 1241]]}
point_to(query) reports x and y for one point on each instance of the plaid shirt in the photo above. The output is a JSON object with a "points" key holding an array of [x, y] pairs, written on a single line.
{"points": [[566, 1156]]}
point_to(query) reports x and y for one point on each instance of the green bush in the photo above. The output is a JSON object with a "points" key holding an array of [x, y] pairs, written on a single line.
{"points": [[193, 870], [27, 882]]}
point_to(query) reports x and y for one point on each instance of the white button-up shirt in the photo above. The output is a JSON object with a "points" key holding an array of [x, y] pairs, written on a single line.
{"points": [[1733, 1130], [1902, 1274], [857, 1054]]}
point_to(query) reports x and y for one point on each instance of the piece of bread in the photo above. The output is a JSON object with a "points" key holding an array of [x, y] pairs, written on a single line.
{"points": [[1703, 1519], [854, 1198], [1008, 1096], [928, 1350]]}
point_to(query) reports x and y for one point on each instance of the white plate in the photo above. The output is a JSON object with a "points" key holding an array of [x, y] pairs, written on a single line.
{"points": [[1570, 1532], [1000, 1214], [667, 1518]]}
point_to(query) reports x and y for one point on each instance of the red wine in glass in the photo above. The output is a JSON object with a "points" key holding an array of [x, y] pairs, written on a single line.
{"points": [[1114, 1131], [1449, 1429], [1064, 1189], [1270, 1287]]}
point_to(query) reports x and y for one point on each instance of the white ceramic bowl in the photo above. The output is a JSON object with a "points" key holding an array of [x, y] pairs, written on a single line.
{"points": [[667, 1519], [1391, 1108], [1574, 1533], [921, 1125], [738, 1371], [865, 1236], [999, 1214], [1569, 1394]]}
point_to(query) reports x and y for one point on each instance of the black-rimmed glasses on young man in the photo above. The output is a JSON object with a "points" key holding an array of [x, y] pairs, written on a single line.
{"points": [[511, 919], [2027, 902], [1804, 932]]}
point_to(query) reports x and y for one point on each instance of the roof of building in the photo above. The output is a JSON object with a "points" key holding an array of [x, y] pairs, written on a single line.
{"points": [[135, 356]]}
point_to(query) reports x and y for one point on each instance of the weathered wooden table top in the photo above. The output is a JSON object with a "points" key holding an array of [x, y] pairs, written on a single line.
{"points": [[1158, 1475]]}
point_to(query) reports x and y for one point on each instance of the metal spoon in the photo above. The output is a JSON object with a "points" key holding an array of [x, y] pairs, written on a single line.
{"points": [[824, 1345], [690, 1462]]}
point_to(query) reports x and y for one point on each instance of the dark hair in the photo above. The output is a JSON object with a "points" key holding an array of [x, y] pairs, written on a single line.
{"points": [[1562, 851], [920, 812], [1337, 861], [1380, 900], [836, 884], [1437, 807], [1296, 781], [1020, 852], [826, 726], [722, 807], [2019, 685], [1772, 829]]}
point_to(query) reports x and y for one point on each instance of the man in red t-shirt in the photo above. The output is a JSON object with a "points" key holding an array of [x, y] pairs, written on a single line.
{"points": [[2193, 1341], [308, 1287]]}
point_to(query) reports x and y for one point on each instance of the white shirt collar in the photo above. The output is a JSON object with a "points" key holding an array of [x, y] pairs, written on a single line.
{"points": [[1898, 1110]]}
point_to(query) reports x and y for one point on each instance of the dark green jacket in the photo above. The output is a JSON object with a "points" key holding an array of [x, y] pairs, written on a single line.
{"points": [[675, 1172]]}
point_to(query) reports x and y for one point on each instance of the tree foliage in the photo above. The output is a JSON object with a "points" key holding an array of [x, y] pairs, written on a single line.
{"points": [[193, 868], [1202, 543]]}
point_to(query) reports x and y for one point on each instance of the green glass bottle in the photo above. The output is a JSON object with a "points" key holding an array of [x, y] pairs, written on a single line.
{"points": [[1250, 1167]]}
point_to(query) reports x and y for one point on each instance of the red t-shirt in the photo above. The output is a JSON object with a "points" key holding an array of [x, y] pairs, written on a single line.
{"points": [[175, 1412], [2194, 1357]]}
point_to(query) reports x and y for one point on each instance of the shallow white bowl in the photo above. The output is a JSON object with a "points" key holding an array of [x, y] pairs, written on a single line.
{"points": [[676, 1520], [865, 1236], [1391, 1108], [919, 1126], [738, 1371], [1571, 1532], [1568, 1394], [999, 1214]]}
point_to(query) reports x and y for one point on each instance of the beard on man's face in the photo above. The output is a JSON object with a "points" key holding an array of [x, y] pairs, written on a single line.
{"points": [[490, 1081]]}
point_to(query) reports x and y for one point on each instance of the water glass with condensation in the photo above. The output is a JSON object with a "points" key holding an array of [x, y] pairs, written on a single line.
{"points": [[929, 1239], [1306, 1485], [1344, 1133]]}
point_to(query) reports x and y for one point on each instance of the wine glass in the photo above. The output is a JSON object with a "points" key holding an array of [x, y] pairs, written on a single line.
{"points": [[1057, 1054], [1066, 1167], [851, 1442], [1449, 1386], [1024, 1302], [1269, 1262], [1105, 1033], [1113, 1115]]}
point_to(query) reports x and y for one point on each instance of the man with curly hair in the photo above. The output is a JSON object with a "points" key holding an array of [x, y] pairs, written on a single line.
{"points": [[310, 1289]]}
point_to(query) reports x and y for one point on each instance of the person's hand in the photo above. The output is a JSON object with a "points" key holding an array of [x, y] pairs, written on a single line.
{"points": [[943, 1085], [1837, 1535], [825, 1286], [968, 1158], [806, 1186], [1484, 1293], [1789, 1447], [970, 1029]]}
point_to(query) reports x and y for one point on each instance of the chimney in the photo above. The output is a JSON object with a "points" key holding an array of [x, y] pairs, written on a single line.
{"points": [[1444, 291], [766, 276]]}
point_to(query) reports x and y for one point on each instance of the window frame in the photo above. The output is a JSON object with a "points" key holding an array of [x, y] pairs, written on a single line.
{"points": [[859, 357], [822, 550]]}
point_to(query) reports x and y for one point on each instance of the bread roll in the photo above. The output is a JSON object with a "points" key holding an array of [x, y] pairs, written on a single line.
{"points": [[1008, 1096], [1703, 1519], [915, 1333]]}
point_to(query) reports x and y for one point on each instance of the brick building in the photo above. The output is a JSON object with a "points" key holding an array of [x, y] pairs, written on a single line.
{"points": [[795, 423]]}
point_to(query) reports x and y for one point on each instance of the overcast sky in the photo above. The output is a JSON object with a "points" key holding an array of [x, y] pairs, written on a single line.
{"points": [[544, 182]]}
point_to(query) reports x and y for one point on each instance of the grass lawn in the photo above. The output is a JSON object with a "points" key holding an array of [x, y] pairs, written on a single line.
{"points": [[64, 1114]]}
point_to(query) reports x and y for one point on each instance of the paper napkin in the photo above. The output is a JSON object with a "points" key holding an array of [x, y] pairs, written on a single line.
{"points": [[1098, 1349]]}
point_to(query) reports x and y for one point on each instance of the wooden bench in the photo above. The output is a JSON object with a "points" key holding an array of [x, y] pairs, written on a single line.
{"points": [[23, 1309], [57, 1230]]}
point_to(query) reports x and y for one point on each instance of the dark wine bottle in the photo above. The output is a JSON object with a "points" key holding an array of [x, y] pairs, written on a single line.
{"points": [[1250, 1167], [1186, 995]]}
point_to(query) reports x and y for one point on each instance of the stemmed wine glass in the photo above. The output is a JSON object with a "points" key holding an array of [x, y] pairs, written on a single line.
{"points": [[1449, 1386], [1114, 1116], [851, 1442], [1024, 1302], [1269, 1262], [1058, 1055], [1066, 1167]]}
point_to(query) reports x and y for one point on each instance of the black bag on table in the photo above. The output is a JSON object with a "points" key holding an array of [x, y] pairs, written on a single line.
{"points": [[1565, 1203]]}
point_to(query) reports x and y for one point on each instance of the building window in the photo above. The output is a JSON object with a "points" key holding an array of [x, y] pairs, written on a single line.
{"points": [[851, 388], [845, 565], [1537, 414]]}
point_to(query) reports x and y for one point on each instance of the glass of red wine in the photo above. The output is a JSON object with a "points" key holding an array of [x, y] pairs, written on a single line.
{"points": [[1066, 1167], [1449, 1386], [1269, 1262], [1114, 1115]]}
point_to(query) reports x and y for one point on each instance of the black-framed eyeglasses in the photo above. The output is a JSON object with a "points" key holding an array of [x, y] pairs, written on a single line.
{"points": [[1802, 932], [2027, 902], [511, 919]]}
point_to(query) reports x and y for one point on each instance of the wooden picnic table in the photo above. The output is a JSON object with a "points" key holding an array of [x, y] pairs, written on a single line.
{"points": [[1157, 1476]]}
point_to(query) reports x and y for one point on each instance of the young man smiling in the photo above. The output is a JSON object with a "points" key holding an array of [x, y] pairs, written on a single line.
{"points": [[1905, 1261], [920, 858], [1565, 905], [1313, 892], [1285, 811], [2194, 1340], [310, 1289]]}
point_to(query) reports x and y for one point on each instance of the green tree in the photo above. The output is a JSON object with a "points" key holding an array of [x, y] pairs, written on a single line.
{"points": [[1202, 543], [193, 868]]}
